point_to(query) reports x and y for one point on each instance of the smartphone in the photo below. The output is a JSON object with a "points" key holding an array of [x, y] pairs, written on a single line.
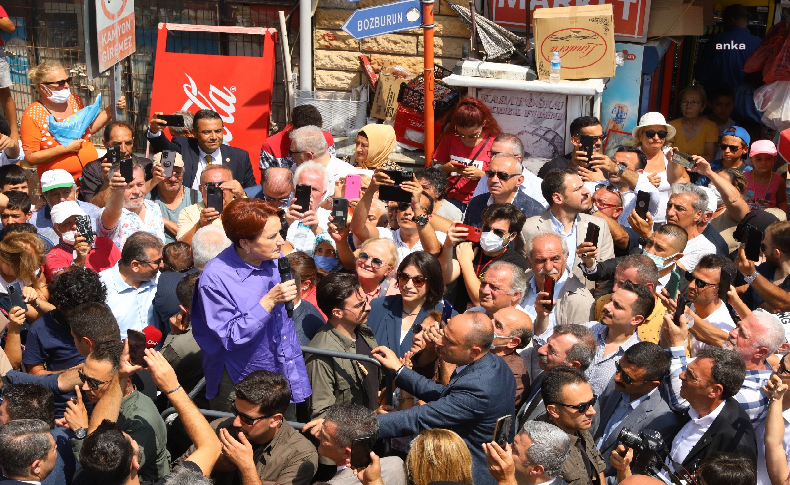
{"points": [[502, 430], [680, 310], [113, 154], [85, 229], [754, 238], [137, 345], [176, 121], [360, 452], [302, 198], [673, 285], [588, 145], [642, 203], [394, 193], [339, 212], [474, 232], [353, 187], [725, 280], [683, 159], [15, 294], [447, 313], [168, 161], [548, 287], [127, 170], [593, 231], [214, 197]]}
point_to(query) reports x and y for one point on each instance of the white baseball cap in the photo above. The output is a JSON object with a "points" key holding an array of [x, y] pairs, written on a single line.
{"points": [[55, 179], [63, 210]]}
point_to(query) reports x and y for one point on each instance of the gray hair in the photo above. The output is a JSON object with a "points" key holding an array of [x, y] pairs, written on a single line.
{"points": [[518, 277], [550, 446], [584, 350], [773, 332], [22, 442], [278, 177], [504, 155], [700, 202], [353, 421], [531, 242], [309, 139], [514, 141], [312, 167], [207, 243], [184, 476]]}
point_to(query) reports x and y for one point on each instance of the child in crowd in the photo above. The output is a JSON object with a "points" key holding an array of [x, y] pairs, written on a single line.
{"points": [[721, 105], [732, 151], [695, 135], [765, 188]]}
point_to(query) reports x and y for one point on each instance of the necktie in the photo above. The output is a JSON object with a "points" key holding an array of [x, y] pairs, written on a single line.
{"points": [[209, 159]]}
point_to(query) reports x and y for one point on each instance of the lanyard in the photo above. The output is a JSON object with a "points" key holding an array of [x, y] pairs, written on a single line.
{"points": [[480, 272]]}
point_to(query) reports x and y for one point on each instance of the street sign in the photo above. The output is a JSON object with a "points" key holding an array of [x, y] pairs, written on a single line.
{"points": [[110, 35], [384, 19]]}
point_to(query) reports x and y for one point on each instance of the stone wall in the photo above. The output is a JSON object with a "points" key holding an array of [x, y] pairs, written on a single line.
{"points": [[336, 54]]}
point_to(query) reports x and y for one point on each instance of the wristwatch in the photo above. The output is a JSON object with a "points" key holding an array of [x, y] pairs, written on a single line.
{"points": [[620, 169], [421, 220], [81, 433], [750, 279]]}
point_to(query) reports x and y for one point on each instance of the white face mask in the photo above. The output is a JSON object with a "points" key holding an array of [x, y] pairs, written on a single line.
{"points": [[69, 237], [59, 97], [491, 242]]}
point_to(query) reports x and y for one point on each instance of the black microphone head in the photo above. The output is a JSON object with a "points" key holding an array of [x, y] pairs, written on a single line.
{"points": [[284, 265]]}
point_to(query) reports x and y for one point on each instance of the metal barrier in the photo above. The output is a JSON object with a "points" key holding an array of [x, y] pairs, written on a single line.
{"points": [[388, 379]]}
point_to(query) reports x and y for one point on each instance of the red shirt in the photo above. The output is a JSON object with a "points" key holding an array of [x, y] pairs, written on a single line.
{"points": [[103, 256], [451, 148]]}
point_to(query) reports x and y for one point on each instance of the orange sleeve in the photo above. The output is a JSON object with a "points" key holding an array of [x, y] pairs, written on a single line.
{"points": [[30, 134]]}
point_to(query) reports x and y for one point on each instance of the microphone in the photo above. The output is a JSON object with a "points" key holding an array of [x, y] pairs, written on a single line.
{"points": [[152, 336], [284, 266]]}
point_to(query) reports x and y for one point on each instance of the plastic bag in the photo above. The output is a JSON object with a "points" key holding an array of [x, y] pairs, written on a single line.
{"points": [[773, 100]]}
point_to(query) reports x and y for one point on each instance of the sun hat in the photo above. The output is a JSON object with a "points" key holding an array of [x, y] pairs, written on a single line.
{"points": [[651, 119]]}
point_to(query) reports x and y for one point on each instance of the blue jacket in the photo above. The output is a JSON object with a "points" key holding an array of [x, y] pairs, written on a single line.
{"points": [[470, 405], [385, 320], [526, 204]]}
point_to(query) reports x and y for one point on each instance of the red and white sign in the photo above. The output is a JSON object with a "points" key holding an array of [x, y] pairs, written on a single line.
{"points": [[630, 16], [239, 88], [114, 31]]}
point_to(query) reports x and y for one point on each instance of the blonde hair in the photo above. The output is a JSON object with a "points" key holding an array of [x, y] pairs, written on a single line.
{"points": [[24, 252], [393, 250], [439, 455], [36, 74]]}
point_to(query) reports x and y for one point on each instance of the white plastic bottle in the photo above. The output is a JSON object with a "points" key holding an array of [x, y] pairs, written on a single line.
{"points": [[554, 76]]}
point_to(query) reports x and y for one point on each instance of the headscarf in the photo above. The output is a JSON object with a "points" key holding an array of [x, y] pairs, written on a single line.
{"points": [[381, 141]]}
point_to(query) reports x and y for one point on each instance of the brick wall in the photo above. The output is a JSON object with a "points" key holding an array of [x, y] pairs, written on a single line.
{"points": [[337, 65]]}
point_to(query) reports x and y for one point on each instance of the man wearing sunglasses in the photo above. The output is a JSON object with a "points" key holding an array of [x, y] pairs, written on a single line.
{"points": [[584, 125], [504, 179], [570, 406]]}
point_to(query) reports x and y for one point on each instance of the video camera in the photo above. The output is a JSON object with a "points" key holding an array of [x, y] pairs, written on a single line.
{"points": [[650, 457]]}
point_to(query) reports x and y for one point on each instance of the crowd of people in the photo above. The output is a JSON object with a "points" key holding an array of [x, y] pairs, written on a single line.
{"points": [[603, 320]]}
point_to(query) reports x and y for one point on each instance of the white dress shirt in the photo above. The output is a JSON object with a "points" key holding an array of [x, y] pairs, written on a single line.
{"points": [[216, 157], [691, 432]]}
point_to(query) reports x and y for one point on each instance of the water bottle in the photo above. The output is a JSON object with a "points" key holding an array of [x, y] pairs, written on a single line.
{"points": [[554, 77]]}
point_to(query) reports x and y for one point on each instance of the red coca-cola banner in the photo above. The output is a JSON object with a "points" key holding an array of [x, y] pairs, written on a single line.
{"points": [[238, 87]]}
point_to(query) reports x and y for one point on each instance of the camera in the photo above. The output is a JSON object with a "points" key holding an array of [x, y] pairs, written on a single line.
{"points": [[650, 451]]}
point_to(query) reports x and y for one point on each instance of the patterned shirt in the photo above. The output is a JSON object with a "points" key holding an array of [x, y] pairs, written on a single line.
{"points": [[129, 223], [604, 367]]}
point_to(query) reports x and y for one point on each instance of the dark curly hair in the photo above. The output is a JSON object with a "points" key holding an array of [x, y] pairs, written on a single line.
{"points": [[76, 286]]}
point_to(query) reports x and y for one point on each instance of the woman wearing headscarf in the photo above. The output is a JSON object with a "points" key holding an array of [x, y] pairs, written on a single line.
{"points": [[374, 144]]}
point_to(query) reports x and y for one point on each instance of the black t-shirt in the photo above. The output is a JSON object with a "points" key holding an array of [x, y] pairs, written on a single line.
{"points": [[371, 379], [190, 465], [456, 291], [562, 161]]}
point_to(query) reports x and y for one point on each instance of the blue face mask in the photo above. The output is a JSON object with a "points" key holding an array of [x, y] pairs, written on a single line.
{"points": [[327, 263]]}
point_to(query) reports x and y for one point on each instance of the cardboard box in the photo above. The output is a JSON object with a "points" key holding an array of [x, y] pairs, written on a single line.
{"points": [[385, 103], [584, 37], [675, 19]]}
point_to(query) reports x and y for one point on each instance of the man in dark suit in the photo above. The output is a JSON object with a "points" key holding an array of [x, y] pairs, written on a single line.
{"points": [[204, 149], [27, 451], [481, 390], [634, 400]]}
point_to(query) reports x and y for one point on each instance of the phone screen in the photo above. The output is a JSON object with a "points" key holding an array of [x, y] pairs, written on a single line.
{"points": [[137, 344], [360, 452]]}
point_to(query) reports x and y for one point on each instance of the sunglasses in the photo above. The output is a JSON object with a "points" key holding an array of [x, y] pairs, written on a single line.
{"points": [[698, 282], [61, 84], [375, 262], [92, 383], [246, 418], [733, 148], [625, 377], [581, 408], [596, 137], [503, 176], [155, 262], [610, 188], [473, 136], [498, 232], [403, 278], [661, 134]]}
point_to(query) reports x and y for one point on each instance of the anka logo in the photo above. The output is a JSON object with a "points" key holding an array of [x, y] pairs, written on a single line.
{"points": [[223, 101]]}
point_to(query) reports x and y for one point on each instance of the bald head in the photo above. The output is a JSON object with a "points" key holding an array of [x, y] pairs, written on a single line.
{"points": [[511, 322], [277, 184], [641, 480], [466, 338]]}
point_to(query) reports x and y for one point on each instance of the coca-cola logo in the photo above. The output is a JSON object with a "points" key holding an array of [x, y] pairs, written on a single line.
{"points": [[578, 47], [223, 101]]}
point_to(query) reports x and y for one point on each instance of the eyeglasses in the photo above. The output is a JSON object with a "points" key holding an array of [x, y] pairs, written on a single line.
{"points": [[293, 152], [94, 384], [61, 84], [155, 262], [610, 188], [733, 148], [375, 262], [473, 136], [503, 176], [492, 153], [246, 418], [581, 408], [403, 278], [686, 102], [651, 133], [602, 205], [625, 377], [698, 282], [278, 202], [498, 232]]}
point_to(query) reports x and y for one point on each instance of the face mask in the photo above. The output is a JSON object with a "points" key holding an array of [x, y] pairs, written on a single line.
{"points": [[491, 242], [59, 97], [68, 237], [327, 263], [658, 260]]}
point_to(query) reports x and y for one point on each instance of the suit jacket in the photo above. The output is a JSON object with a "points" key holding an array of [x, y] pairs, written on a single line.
{"points": [[470, 405], [542, 223], [236, 159], [653, 413], [730, 431], [385, 320]]}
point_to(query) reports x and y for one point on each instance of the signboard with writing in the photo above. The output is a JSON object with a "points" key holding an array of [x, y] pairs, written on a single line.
{"points": [[620, 103], [631, 17], [384, 19], [110, 34], [537, 118]]}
